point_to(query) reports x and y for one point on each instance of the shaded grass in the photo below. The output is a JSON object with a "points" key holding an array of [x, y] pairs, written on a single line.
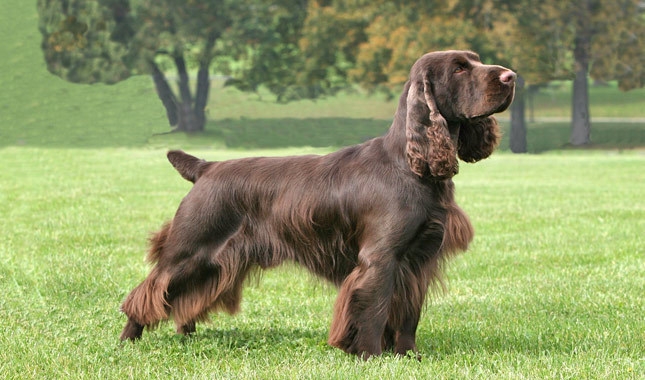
{"points": [[604, 101], [547, 136], [551, 288], [332, 132], [279, 133]]}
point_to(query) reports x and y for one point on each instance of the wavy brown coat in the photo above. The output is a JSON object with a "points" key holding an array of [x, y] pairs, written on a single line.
{"points": [[378, 219]]}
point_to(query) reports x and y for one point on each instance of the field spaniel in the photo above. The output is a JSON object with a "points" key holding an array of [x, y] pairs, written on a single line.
{"points": [[378, 219]]}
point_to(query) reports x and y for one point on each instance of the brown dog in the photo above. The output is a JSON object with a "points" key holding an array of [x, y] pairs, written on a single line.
{"points": [[376, 219]]}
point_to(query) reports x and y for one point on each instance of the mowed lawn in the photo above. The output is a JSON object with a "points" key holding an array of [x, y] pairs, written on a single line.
{"points": [[552, 286]]}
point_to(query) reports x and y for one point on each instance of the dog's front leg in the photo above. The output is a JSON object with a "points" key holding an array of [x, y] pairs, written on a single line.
{"points": [[406, 335], [362, 308]]}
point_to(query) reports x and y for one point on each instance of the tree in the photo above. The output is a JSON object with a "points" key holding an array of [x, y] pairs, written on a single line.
{"points": [[517, 139], [373, 43], [84, 41], [330, 38], [617, 49], [521, 35], [571, 39], [607, 40], [110, 40], [270, 54], [170, 31]]}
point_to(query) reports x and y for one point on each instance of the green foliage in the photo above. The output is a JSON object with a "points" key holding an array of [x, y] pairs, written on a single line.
{"points": [[86, 41], [262, 50], [619, 44], [78, 34], [571, 39], [531, 39], [299, 48], [538, 38], [174, 27], [109, 40], [328, 43], [375, 43]]}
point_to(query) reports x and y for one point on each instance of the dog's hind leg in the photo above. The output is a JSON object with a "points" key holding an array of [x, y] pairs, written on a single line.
{"points": [[222, 291], [187, 328], [132, 330], [146, 305], [216, 287]]}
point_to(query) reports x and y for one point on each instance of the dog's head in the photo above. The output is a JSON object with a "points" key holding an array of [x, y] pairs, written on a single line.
{"points": [[451, 96]]}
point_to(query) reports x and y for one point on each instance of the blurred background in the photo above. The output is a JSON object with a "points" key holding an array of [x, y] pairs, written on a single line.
{"points": [[258, 73]]}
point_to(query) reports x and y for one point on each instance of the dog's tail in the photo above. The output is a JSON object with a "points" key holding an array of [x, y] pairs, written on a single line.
{"points": [[157, 242], [190, 167]]}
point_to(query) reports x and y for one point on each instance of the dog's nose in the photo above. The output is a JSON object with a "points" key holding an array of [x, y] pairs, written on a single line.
{"points": [[508, 77]]}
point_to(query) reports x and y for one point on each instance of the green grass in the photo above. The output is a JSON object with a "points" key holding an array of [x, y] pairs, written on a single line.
{"points": [[551, 288]]}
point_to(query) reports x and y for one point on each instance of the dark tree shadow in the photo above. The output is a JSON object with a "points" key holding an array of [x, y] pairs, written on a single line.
{"points": [[291, 132]]}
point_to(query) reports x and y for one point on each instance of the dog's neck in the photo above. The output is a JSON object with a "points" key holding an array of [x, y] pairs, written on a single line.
{"points": [[453, 128], [395, 139]]}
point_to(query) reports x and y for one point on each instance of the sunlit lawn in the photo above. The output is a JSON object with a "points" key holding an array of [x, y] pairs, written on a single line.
{"points": [[552, 287]]}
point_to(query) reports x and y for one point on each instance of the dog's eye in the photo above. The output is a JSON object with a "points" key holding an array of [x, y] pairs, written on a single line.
{"points": [[459, 69]]}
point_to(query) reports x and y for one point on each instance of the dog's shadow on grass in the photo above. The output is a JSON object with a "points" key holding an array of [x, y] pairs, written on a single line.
{"points": [[436, 345], [257, 339], [288, 132]]}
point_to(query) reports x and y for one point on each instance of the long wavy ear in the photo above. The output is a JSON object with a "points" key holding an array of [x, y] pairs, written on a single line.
{"points": [[478, 139], [430, 151]]}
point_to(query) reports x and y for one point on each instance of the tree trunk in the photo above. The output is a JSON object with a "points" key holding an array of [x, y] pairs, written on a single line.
{"points": [[203, 81], [518, 118], [201, 95], [165, 93], [580, 118], [188, 121], [185, 113], [530, 98]]}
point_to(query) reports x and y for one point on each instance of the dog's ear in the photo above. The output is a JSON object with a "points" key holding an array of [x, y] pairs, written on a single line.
{"points": [[190, 167], [478, 139], [429, 148]]}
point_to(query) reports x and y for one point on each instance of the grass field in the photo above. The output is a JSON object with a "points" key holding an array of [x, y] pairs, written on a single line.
{"points": [[552, 286]]}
